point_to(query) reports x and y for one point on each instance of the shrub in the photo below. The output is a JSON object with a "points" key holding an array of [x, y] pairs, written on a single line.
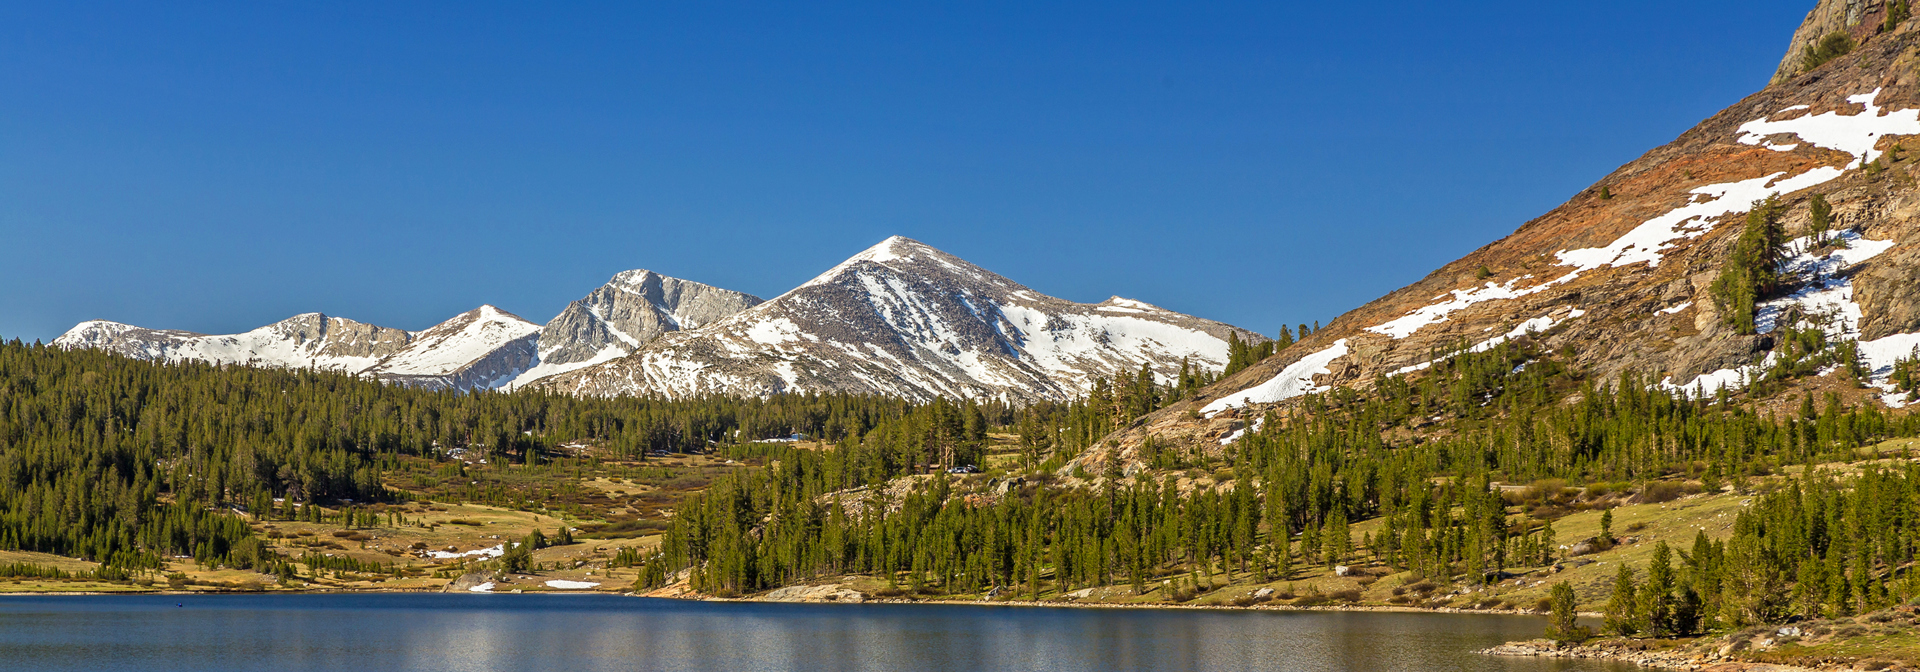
{"points": [[1662, 491], [1836, 44]]}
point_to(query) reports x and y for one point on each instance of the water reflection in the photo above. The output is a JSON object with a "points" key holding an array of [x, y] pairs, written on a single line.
{"points": [[366, 633]]}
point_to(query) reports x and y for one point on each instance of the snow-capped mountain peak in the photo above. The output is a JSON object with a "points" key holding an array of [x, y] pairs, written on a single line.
{"points": [[903, 318]]}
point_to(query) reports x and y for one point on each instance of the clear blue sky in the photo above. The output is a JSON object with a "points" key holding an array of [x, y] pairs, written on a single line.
{"points": [[215, 167]]}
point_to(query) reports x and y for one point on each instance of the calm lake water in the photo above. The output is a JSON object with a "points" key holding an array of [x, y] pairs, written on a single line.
{"points": [[367, 633]]}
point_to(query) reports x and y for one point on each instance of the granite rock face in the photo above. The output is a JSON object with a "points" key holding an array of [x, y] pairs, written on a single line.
{"points": [[631, 310], [1860, 19]]}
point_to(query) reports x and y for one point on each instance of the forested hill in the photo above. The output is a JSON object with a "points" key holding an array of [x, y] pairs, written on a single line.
{"points": [[1414, 479], [125, 461]]}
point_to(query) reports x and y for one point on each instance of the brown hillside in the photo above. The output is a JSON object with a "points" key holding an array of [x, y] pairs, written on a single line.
{"points": [[1653, 319]]}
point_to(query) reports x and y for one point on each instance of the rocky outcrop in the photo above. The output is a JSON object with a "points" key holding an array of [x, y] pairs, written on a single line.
{"points": [[1860, 19], [904, 319], [631, 310], [826, 593], [1658, 659]]}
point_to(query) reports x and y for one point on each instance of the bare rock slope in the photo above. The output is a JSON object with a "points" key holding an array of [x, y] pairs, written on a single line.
{"points": [[1619, 276], [631, 310]]}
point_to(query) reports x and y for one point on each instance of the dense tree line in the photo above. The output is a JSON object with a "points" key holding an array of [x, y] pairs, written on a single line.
{"points": [[1821, 547], [1286, 496], [124, 461]]}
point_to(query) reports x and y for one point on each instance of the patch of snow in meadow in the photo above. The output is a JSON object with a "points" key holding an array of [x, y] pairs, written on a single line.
{"points": [[564, 584], [482, 588], [493, 552]]}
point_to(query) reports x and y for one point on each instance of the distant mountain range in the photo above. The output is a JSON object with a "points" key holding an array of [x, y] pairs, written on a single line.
{"points": [[900, 319]]}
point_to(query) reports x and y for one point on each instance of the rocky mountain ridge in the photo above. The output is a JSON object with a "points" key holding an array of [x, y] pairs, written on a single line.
{"points": [[899, 319], [907, 320], [631, 310], [475, 349]]}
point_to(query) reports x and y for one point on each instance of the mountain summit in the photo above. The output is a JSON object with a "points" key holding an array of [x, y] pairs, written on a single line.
{"points": [[629, 311], [902, 318]]}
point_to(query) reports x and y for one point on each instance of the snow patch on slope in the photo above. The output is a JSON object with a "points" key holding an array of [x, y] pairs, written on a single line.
{"points": [[1540, 324], [1825, 297], [1462, 299], [1294, 381], [1854, 134], [445, 352]]}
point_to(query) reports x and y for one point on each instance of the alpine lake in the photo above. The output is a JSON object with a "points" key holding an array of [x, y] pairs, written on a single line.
{"points": [[439, 632]]}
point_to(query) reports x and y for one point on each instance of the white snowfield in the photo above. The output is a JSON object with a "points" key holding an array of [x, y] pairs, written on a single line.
{"points": [[278, 344], [1294, 381], [1536, 325], [454, 344], [309, 341], [899, 318], [547, 368], [1853, 134], [490, 552], [564, 584]]}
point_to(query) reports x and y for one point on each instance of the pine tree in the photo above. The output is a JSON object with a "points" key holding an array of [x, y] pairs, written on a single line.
{"points": [[1656, 597], [1752, 270], [1819, 218], [1622, 608], [1563, 624]]}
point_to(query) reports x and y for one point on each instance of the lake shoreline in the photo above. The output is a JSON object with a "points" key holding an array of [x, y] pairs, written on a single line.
{"points": [[1659, 660]]}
